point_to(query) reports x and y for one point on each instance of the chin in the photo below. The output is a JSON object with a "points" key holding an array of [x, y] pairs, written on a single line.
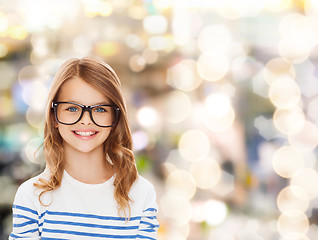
{"points": [[85, 149], [82, 148]]}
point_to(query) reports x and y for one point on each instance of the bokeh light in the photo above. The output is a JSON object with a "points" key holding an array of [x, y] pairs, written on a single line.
{"points": [[219, 114], [37, 15], [277, 68], [295, 236], [16, 136], [82, 44], [182, 183], [215, 212], [186, 17], [35, 117], [226, 185], [298, 37], [212, 212], [293, 51], [194, 145], [177, 107], [312, 110], [35, 95], [306, 139], [287, 200], [213, 66], [176, 207], [290, 120], [137, 63], [28, 74], [140, 140], [109, 49], [250, 231], [292, 223], [287, 161], [306, 180], [221, 234], [150, 56], [184, 75], [4, 24], [137, 12], [156, 24], [311, 8], [214, 38], [206, 173], [97, 8], [284, 93], [231, 9], [32, 150], [134, 41], [17, 32], [147, 116], [278, 5], [161, 43]]}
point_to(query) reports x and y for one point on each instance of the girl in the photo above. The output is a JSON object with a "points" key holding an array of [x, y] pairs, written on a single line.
{"points": [[90, 188]]}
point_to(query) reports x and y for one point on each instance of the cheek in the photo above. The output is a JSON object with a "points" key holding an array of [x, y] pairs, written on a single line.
{"points": [[64, 132], [105, 133]]}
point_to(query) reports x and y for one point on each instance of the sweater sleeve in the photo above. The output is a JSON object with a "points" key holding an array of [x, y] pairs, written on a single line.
{"points": [[25, 216], [149, 225]]}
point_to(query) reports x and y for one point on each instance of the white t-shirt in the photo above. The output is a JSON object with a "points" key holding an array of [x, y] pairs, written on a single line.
{"points": [[78, 210]]}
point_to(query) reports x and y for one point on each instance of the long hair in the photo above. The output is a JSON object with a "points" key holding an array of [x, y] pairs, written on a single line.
{"points": [[117, 147]]}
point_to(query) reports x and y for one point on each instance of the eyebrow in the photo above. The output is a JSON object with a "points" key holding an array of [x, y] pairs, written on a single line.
{"points": [[98, 103], [102, 103]]}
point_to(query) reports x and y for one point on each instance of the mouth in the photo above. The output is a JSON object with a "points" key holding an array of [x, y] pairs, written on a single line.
{"points": [[85, 134]]}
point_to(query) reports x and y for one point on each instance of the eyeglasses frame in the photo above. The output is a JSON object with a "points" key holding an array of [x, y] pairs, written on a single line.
{"points": [[89, 109]]}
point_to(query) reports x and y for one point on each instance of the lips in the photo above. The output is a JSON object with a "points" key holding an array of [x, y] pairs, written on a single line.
{"points": [[85, 133]]}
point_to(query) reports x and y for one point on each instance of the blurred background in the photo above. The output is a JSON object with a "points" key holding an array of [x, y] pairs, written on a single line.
{"points": [[222, 99]]}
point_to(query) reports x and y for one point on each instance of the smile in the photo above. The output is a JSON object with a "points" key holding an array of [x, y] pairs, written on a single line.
{"points": [[85, 134]]}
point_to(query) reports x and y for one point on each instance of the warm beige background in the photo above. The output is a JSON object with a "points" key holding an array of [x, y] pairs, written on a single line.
{"points": [[222, 99]]}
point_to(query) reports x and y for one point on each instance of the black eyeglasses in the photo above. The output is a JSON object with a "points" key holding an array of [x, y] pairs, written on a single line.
{"points": [[70, 113]]}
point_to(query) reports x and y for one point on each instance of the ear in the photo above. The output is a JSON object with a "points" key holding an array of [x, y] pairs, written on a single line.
{"points": [[53, 119], [55, 123]]}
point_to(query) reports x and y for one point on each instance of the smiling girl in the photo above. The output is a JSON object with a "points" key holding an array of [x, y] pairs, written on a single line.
{"points": [[90, 188]]}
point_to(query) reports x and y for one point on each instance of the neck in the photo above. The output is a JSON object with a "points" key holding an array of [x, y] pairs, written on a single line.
{"points": [[91, 167]]}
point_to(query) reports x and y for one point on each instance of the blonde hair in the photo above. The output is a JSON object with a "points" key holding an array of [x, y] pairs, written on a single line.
{"points": [[117, 147]]}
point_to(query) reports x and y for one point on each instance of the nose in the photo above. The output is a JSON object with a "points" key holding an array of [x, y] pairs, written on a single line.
{"points": [[86, 118]]}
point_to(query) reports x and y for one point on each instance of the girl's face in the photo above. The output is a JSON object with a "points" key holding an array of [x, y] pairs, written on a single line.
{"points": [[84, 136]]}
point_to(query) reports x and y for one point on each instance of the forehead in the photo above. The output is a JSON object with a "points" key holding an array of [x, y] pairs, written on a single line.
{"points": [[77, 90]]}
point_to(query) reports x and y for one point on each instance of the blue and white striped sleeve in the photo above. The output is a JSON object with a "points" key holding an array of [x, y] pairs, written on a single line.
{"points": [[25, 217], [149, 225]]}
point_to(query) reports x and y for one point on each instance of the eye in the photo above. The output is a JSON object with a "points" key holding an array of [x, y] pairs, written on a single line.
{"points": [[100, 110], [72, 109]]}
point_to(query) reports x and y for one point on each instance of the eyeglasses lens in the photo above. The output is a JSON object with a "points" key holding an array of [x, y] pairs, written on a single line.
{"points": [[69, 113]]}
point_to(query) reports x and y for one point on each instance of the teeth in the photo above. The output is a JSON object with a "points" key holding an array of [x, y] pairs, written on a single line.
{"points": [[85, 134]]}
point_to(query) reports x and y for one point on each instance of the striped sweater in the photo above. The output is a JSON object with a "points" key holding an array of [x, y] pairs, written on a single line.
{"points": [[83, 211]]}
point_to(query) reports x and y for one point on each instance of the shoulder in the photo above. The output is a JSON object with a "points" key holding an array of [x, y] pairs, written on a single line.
{"points": [[142, 188], [142, 183], [28, 187], [143, 194], [27, 194]]}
